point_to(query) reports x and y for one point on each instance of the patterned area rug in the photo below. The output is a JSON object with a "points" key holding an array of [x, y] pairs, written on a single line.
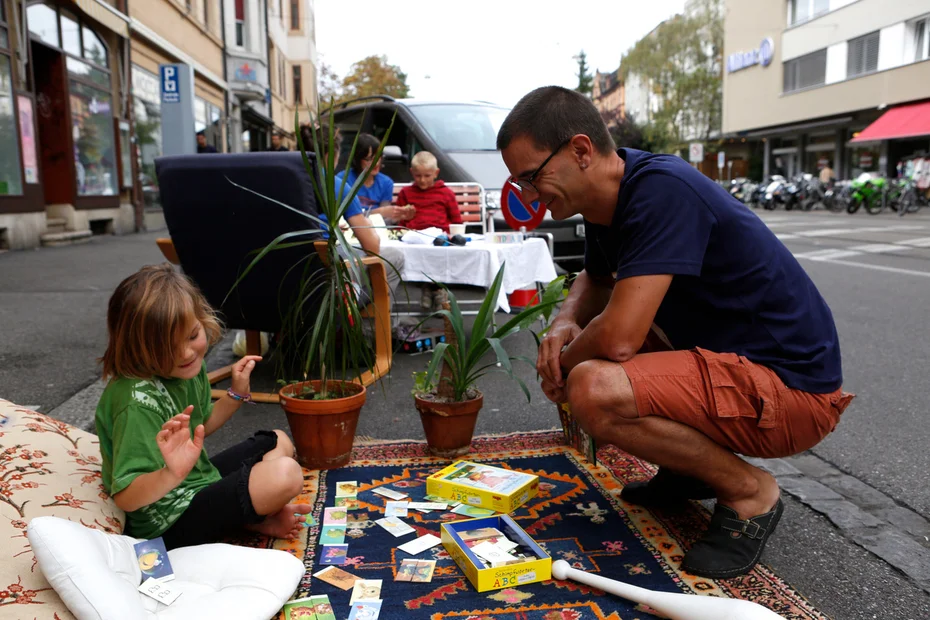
{"points": [[577, 516]]}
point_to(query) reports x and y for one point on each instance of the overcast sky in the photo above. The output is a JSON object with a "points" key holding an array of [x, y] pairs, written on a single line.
{"points": [[488, 50]]}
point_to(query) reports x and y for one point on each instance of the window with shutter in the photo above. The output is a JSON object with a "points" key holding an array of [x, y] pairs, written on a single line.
{"points": [[806, 71], [862, 55]]}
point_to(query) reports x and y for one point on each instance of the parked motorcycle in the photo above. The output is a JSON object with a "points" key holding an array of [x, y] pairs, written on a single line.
{"points": [[867, 189]]}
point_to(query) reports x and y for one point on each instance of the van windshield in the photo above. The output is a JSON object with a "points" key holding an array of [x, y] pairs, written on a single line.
{"points": [[457, 127]]}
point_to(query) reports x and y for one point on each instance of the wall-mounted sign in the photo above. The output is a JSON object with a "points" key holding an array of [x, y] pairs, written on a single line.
{"points": [[245, 73], [762, 55]]}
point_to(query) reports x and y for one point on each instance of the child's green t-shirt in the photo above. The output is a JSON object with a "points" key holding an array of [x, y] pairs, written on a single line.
{"points": [[130, 414]]}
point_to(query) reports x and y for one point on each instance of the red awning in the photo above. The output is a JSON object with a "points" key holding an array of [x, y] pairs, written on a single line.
{"points": [[905, 121]]}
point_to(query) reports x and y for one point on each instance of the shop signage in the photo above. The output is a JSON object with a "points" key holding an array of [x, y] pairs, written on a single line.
{"points": [[245, 73], [28, 139], [865, 160], [762, 55], [169, 84]]}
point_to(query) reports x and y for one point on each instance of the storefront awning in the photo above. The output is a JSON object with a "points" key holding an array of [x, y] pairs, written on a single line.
{"points": [[905, 121], [106, 15]]}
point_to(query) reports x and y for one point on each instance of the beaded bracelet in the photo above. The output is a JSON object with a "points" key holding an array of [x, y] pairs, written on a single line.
{"points": [[246, 398]]}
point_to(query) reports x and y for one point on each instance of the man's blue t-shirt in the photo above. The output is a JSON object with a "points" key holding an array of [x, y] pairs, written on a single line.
{"points": [[370, 197], [354, 208], [736, 287]]}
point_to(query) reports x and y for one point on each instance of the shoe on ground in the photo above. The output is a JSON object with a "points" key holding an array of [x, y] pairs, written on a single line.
{"points": [[731, 546], [426, 299], [666, 488], [440, 298]]}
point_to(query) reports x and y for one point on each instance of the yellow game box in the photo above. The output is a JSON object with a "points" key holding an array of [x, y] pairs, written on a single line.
{"points": [[509, 576], [475, 484]]}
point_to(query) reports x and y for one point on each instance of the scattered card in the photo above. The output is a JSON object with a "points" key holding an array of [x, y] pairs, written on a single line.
{"points": [[424, 571], [406, 570], [419, 545], [322, 607], [395, 526], [301, 609], [337, 577], [493, 554], [346, 489], [395, 509], [334, 554], [427, 506], [436, 498], [365, 610], [335, 515], [366, 590], [482, 532], [472, 511], [153, 558], [333, 535], [159, 590], [389, 493], [349, 503]]}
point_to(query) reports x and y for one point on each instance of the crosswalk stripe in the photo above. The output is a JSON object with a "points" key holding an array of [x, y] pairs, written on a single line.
{"points": [[828, 254], [878, 248], [919, 242], [786, 236]]}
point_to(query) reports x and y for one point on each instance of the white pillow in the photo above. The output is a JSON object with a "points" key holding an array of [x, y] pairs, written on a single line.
{"points": [[96, 575]]}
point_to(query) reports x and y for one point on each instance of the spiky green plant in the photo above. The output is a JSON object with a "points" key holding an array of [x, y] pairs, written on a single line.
{"points": [[321, 334]]}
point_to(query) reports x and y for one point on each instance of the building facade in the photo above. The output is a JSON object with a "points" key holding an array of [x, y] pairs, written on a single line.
{"points": [[247, 69], [293, 61], [804, 79], [607, 95]]}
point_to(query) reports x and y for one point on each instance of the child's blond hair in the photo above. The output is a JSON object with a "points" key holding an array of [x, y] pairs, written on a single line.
{"points": [[424, 160], [146, 317]]}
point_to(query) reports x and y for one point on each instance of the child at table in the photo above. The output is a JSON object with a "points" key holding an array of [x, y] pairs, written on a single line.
{"points": [[156, 410], [435, 206]]}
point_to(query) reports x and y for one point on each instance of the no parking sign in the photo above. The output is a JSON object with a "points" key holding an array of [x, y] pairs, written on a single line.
{"points": [[518, 213]]}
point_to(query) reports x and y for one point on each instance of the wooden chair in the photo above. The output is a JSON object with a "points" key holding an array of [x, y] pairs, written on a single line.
{"points": [[215, 229], [470, 198]]}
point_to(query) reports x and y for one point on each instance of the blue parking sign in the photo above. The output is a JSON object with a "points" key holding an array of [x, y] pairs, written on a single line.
{"points": [[169, 84]]}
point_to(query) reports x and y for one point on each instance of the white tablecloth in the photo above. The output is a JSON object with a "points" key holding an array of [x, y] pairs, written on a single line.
{"points": [[476, 264]]}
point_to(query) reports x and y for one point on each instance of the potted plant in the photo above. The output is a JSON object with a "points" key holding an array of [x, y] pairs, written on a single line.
{"points": [[449, 405], [321, 341]]}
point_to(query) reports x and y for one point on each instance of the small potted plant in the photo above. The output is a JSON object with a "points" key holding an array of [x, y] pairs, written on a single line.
{"points": [[449, 404], [321, 340]]}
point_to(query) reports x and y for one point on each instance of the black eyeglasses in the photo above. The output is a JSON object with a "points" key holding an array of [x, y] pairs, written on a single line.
{"points": [[521, 185]]}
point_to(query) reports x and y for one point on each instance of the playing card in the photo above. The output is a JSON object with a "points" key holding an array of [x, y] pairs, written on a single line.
{"points": [[472, 511], [153, 559], [483, 532], [427, 506], [406, 570], [334, 554], [424, 571], [366, 590], [365, 610], [346, 489], [334, 515], [395, 526], [337, 577], [333, 535], [388, 493], [494, 555], [300, 609], [395, 509], [347, 502], [419, 545], [160, 591], [322, 607]]}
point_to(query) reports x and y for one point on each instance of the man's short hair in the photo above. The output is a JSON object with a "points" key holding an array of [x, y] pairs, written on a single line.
{"points": [[424, 160], [550, 115]]}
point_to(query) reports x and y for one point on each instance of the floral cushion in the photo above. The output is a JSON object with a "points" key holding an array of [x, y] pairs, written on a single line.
{"points": [[46, 468]]}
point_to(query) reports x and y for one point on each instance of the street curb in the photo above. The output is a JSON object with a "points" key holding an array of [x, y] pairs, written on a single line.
{"points": [[80, 409], [863, 514]]}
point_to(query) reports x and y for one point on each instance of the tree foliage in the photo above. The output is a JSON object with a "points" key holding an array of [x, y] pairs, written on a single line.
{"points": [[585, 79], [370, 76], [681, 63]]}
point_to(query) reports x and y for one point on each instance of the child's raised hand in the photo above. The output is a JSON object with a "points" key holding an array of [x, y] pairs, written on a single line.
{"points": [[177, 448], [242, 372]]}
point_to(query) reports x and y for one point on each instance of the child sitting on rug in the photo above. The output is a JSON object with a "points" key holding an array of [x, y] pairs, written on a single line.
{"points": [[155, 411], [435, 205]]}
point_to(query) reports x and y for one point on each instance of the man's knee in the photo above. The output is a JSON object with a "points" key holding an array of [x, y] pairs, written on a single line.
{"points": [[599, 392]]}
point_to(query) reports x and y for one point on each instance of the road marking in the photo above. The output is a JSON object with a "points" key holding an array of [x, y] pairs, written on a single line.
{"points": [[878, 248], [828, 254], [919, 242], [785, 236], [908, 272]]}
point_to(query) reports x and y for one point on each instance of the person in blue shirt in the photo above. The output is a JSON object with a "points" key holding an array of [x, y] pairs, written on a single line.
{"points": [[692, 334], [376, 194]]}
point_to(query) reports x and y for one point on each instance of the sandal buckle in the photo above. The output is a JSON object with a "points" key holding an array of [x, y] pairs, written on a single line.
{"points": [[752, 530]]}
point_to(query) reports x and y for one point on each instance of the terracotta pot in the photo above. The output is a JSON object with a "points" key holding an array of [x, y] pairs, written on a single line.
{"points": [[323, 430], [449, 426]]}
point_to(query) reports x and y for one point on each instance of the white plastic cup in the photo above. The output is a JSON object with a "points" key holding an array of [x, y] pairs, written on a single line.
{"points": [[456, 229]]}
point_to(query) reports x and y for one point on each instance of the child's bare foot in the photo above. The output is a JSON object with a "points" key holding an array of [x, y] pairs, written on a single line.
{"points": [[283, 524]]}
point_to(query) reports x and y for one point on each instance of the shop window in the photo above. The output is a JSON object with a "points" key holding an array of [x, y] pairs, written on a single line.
{"points": [[146, 106], [10, 175], [94, 50], [806, 71], [43, 23], [862, 55], [94, 145], [4, 33], [70, 34], [85, 71]]}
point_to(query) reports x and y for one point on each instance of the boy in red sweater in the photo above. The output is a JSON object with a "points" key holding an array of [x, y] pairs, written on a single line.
{"points": [[435, 205]]}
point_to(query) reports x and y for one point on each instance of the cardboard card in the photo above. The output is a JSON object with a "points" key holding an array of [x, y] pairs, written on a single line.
{"points": [[395, 526], [435, 498], [395, 509], [366, 590], [334, 554], [163, 592], [347, 489], [337, 577], [424, 571], [427, 506], [333, 535], [389, 493], [493, 554], [153, 558], [421, 544], [472, 511], [406, 570], [322, 607], [478, 534], [365, 610], [335, 515], [347, 502], [301, 609]]}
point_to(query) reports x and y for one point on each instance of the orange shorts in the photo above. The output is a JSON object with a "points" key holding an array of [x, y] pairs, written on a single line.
{"points": [[738, 404]]}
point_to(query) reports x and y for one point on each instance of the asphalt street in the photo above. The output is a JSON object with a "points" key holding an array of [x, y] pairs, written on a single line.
{"points": [[874, 271]]}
